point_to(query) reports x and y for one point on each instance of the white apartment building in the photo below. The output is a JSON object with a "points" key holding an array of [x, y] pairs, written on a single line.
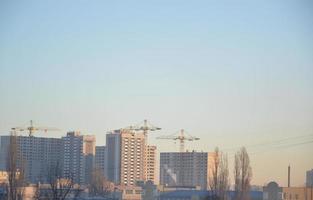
{"points": [[132, 157], [126, 152]]}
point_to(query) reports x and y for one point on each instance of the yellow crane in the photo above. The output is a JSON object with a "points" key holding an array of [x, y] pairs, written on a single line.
{"points": [[31, 129], [182, 137]]}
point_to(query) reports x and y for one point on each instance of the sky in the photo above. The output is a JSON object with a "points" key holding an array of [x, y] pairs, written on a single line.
{"points": [[233, 73]]}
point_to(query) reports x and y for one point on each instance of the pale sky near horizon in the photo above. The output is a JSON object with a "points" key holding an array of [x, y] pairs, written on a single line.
{"points": [[234, 73]]}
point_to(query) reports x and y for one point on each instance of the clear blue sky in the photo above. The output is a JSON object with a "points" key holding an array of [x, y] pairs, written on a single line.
{"points": [[230, 72]]}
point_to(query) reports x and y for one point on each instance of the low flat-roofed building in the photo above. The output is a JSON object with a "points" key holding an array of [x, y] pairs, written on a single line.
{"points": [[130, 192], [273, 191], [297, 193], [186, 195]]}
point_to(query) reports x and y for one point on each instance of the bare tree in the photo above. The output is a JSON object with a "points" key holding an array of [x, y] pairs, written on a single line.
{"points": [[213, 179], [237, 176], [223, 177], [58, 188], [16, 181], [242, 174], [219, 177], [99, 186]]}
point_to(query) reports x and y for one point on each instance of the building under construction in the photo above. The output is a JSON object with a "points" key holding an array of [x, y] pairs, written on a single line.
{"points": [[185, 169]]}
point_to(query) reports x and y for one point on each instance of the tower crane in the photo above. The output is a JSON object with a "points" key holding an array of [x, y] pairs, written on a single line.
{"points": [[182, 137], [31, 129], [144, 126]]}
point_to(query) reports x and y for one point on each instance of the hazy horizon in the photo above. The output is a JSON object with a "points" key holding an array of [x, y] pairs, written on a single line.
{"points": [[231, 73]]}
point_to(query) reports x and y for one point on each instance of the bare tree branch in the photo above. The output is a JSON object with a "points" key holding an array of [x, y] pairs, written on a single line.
{"points": [[58, 187], [99, 186]]}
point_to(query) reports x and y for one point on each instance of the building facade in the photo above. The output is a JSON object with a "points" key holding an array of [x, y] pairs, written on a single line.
{"points": [[132, 157], [130, 192], [79, 153], [297, 193], [35, 155], [113, 151], [100, 158], [184, 169], [126, 162], [309, 178], [150, 167], [72, 156]]}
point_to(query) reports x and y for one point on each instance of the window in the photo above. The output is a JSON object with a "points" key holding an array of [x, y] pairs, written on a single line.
{"points": [[129, 192], [138, 191]]}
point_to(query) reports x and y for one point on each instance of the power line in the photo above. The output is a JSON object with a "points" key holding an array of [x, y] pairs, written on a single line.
{"points": [[276, 144]]}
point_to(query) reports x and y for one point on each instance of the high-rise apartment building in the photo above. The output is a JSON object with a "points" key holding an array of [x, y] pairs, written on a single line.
{"points": [[72, 156], [184, 169], [150, 169], [113, 158], [125, 155], [79, 152], [100, 158], [132, 160], [35, 155], [309, 178]]}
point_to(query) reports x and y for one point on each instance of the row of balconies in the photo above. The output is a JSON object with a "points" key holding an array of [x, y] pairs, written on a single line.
{"points": [[132, 139], [132, 147]]}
